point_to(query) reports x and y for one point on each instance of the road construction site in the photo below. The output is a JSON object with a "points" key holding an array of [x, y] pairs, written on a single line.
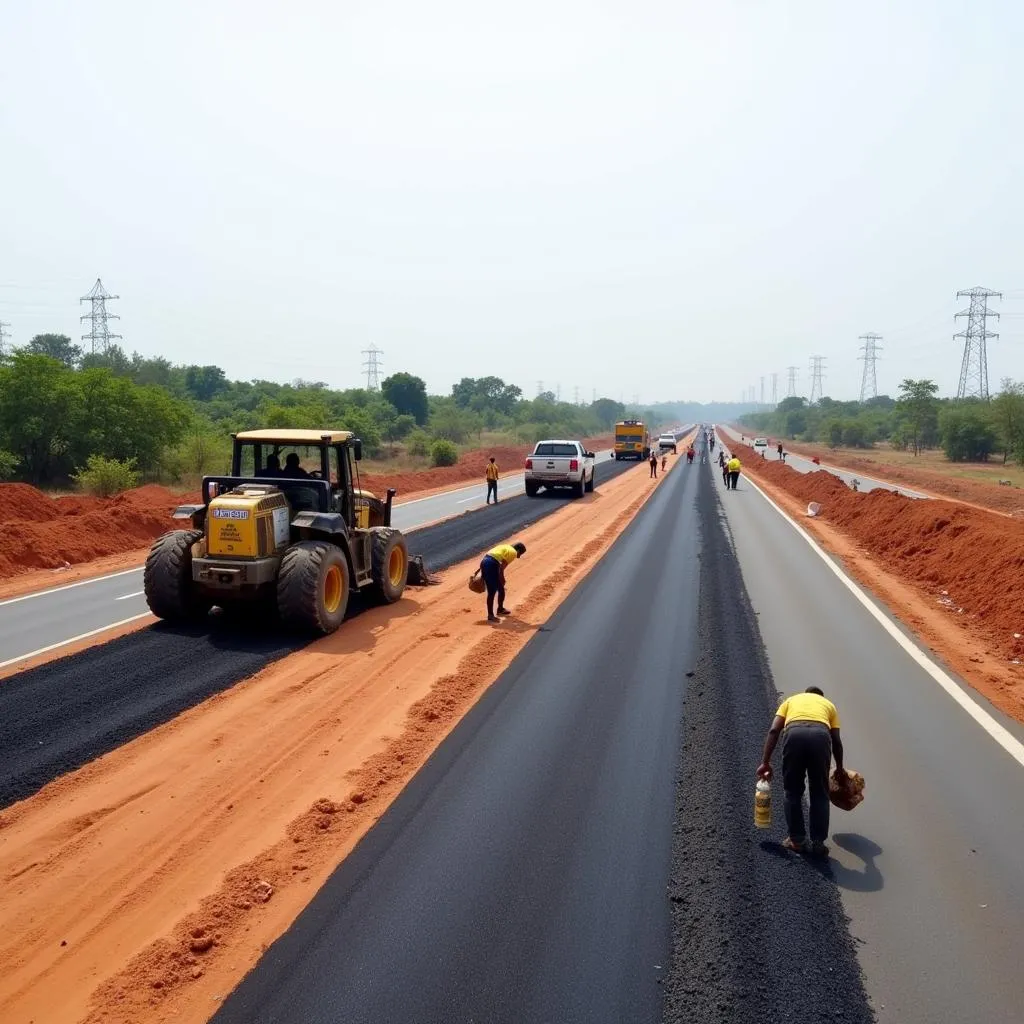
{"points": [[423, 818]]}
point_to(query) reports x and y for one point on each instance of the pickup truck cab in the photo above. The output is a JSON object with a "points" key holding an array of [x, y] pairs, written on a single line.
{"points": [[667, 441], [760, 443], [559, 464]]}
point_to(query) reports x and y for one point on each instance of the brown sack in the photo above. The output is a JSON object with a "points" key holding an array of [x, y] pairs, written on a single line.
{"points": [[476, 583], [846, 793]]}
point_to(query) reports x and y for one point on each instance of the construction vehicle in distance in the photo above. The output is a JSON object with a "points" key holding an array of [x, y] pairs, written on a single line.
{"points": [[289, 528], [631, 441]]}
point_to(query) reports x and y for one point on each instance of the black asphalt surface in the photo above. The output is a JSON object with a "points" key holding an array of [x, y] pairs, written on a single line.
{"points": [[521, 875], [581, 849], [761, 935], [59, 716]]}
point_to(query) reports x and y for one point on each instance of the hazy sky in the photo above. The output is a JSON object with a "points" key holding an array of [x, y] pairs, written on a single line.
{"points": [[663, 199]]}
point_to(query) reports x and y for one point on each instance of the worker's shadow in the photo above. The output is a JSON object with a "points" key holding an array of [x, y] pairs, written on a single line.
{"points": [[868, 880], [510, 624]]}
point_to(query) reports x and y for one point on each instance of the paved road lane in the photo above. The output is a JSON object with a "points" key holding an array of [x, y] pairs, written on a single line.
{"points": [[930, 864]]}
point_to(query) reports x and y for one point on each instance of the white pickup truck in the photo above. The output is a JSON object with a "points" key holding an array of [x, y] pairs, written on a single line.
{"points": [[667, 442], [559, 464]]}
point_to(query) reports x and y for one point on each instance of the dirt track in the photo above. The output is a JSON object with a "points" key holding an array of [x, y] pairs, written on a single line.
{"points": [[272, 782]]}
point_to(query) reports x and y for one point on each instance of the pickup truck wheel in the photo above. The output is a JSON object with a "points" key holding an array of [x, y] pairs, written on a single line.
{"points": [[578, 490], [590, 484], [531, 489]]}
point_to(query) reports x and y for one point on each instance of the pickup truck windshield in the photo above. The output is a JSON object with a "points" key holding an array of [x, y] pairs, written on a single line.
{"points": [[562, 451]]}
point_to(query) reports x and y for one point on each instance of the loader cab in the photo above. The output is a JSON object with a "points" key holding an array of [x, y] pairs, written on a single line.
{"points": [[294, 460]]}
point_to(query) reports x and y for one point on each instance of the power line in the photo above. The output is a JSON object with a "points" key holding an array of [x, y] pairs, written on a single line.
{"points": [[775, 389], [817, 377], [791, 386], [869, 382], [99, 335], [372, 367], [974, 368]]}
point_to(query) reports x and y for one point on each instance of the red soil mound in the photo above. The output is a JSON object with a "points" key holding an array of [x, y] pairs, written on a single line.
{"points": [[968, 560], [39, 532]]}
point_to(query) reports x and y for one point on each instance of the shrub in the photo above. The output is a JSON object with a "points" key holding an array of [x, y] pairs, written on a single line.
{"points": [[106, 477], [443, 453], [8, 464], [418, 443]]}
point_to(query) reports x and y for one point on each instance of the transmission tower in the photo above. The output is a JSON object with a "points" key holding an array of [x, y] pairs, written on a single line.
{"points": [[791, 387], [869, 382], [817, 377], [4, 335], [762, 390], [775, 389], [558, 392], [372, 366], [99, 335], [974, 369], [576, 395]]}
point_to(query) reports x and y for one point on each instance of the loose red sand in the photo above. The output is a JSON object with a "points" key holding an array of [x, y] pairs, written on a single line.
{"points": [[958, 559], [40, 532]]}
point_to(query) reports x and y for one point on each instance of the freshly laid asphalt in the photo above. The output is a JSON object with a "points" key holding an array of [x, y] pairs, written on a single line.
{"points": [[67, 712]]}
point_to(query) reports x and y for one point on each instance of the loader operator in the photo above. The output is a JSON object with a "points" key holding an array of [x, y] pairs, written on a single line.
{"points": [[809, 724], [292, 469], [492, 569]]}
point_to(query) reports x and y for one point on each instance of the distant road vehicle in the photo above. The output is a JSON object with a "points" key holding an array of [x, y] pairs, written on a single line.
{"points": [[631, 441], [760, 442], [558, 463], [667, 441]]}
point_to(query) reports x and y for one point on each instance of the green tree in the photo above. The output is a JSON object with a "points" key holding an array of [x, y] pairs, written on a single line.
{"points": [[204, 382], [967, 432], [855, 434], [919, 408], [56, 346], [608, 412], [408, 394], [835, 433], [39, 403], [1008, 414]]}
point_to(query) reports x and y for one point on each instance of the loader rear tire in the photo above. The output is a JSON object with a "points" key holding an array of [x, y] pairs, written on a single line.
{"points": [[167, 579], [389, 565], [313, 587]]}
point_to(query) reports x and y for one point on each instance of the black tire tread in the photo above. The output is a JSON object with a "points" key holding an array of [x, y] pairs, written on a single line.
{"points": [[381, 544], [298, 586], [167, 578]]}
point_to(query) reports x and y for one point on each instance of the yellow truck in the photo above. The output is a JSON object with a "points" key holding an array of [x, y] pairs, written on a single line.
{"points": [[631, 441]]}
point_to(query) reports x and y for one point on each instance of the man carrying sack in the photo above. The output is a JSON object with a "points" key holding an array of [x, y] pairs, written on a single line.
{"points": [[809, 726], [492, 569]]}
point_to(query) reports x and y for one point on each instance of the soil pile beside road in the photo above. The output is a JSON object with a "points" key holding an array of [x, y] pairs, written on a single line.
{"points": [[963, 560], [1009, 500], [40, 532]]}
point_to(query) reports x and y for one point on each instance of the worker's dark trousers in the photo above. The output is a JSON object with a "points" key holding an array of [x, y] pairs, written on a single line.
{"points": [[654, 470], [734, 479], [806, 751], [492, 488], [491, 572]]}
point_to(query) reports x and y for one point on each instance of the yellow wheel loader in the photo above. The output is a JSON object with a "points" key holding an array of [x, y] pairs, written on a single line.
{"points": [[289, 528]]}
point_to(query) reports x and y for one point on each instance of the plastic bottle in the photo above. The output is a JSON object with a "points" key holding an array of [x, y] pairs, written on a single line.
{"points": [[763, 804]]}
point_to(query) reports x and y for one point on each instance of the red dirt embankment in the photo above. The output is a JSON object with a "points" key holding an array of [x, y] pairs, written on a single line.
{"points": [[40, 532], [961, 560], [1007, 500]]}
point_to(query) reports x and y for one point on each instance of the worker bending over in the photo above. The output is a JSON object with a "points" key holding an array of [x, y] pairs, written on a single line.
{"points": [[809, 725], [492, 569]]}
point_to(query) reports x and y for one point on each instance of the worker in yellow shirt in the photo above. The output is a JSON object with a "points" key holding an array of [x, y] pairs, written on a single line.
{"points": [[732, 467], [809, 725], [492, 480], [492, 569]]}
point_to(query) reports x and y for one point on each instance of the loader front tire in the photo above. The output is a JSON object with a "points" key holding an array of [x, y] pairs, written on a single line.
{"points": [[313, 587], [389, 564], [167, 579]]}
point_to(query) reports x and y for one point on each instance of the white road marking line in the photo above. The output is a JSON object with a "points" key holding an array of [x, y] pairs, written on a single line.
{"points": [[72, 640], [124, 597], [998, 732], [69, 586]]}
